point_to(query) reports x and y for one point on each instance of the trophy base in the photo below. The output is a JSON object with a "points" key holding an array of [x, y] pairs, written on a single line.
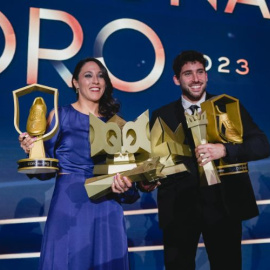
{"points": [[36, 166], [97, 187], [178, 168], [232, 169], [113, 168]]}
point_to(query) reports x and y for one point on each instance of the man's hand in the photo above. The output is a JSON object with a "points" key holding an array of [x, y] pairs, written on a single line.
{"points": [[208, 152], [146, 186]]}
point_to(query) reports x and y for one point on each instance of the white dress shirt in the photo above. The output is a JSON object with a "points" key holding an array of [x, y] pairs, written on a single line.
{"points": [[186, 104]]}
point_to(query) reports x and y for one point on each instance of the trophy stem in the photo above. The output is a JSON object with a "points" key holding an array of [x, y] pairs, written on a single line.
{"points": [[37, 151], [197, 123], [210, 172]]}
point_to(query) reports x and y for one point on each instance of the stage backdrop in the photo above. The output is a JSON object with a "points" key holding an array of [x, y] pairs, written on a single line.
{"points": [[41, 41]]}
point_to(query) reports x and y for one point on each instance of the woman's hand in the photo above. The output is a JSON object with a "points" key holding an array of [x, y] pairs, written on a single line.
{"points": [[121, 184], [26, 142]]}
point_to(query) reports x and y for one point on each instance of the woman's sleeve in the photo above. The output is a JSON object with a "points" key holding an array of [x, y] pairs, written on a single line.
{"points": [[130, 196]]}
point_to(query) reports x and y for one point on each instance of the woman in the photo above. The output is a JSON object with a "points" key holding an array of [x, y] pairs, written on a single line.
{"points": [[82, 234]]}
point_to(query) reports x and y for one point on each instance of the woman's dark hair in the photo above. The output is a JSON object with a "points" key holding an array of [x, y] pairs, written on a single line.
{"points": [[187, 56], [108, 106]]}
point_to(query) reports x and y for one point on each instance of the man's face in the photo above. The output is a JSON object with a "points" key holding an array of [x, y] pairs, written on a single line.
{"points": [[192, 80]]}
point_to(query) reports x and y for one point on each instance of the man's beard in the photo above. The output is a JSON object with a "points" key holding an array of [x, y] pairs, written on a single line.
{"points": [[193, 96]]}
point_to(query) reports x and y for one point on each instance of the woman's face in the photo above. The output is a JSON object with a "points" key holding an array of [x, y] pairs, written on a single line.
{"points": [[91, 83]]}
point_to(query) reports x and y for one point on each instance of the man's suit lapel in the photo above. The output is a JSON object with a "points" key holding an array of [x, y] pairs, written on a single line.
{"points": [[181, 118], [179, 112]]}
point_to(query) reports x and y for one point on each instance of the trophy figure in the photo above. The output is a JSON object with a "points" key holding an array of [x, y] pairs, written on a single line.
{"points": [[197, 123], [225, 126], [36, 126], [169, 146], [127, 147], [124, 143]]}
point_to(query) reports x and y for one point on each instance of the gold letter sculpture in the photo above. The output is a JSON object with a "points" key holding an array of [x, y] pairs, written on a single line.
{"points": [[134, 152], [169, 146], [128, 148]]}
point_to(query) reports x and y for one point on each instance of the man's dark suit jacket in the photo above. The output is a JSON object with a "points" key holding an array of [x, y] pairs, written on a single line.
{"points": [[180, 196]]}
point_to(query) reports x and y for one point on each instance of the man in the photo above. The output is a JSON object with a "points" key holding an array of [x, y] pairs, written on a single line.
{"points": [[186, 209]]}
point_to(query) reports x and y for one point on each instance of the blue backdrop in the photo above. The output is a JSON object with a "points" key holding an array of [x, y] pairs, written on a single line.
{"points": [[41, 41]]}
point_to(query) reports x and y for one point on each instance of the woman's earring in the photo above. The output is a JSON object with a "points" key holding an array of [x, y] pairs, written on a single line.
{"points": [[77, 90]]}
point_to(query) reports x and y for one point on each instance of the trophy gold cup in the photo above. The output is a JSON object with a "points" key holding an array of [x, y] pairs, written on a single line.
{"points": [[36, 126], [225, 126], [197, 123]]}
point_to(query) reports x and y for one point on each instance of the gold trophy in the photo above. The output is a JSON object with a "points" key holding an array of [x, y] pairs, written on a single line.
{"points": [[36, 126], [134, 152], [150, 170], [225, 126], [197, 123], [120, 141], [127, 146], [169, 146]]}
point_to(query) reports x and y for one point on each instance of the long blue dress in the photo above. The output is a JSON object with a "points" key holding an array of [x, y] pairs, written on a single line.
{"points": [[81, 234]]}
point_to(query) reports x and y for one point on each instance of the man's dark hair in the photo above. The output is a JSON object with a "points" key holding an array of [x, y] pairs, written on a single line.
{"points": [[187, 56]]}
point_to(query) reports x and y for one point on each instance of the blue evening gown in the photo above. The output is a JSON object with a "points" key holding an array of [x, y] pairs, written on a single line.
{"points": [[81, 234]]}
